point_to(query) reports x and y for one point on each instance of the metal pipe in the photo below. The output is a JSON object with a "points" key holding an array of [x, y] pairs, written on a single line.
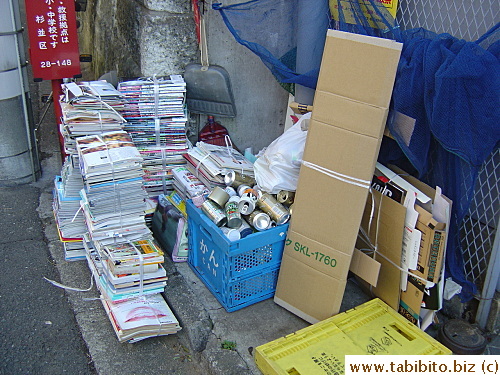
{"points": [[22, 81], [18, 154]]}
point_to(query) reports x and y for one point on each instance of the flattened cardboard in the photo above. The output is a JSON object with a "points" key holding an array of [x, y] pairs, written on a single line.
{"points": [[344, 138], [411, 300], [341, 151], [314, 254], [307, 292], [349, 114], [432, 246], [359, 68], [321, 211]]}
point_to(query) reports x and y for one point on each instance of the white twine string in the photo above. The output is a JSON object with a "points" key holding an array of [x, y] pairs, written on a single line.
{"points": [[338, 176]]}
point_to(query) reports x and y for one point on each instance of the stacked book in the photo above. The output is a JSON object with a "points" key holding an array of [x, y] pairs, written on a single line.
{"points": [[156, 121], [210, 163], [100, 197], [123, 257]]}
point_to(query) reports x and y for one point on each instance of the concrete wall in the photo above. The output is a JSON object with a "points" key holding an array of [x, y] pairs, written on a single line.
{"points": [[147, 37]]}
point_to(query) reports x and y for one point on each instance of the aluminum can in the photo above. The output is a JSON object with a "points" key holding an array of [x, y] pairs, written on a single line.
{"points": [[245, 229], [245, 189], [246, 205], [273, 208], [231, 234], [214, 212], [231, 191], [285, 197], [259, 220], [232, 212], [219, 196], [235, 179]]}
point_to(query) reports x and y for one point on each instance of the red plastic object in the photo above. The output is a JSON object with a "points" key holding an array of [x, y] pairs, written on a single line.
{"points": [[213, 133]]}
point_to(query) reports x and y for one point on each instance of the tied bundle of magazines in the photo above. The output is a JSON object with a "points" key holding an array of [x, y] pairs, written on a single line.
{"points": [[140, 318], [129, 269], [156, 121], [113, 198], [100, 199], [89, 108]]}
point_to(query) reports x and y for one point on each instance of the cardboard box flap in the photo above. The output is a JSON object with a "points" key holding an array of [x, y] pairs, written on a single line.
{"points": [[349, 114], [365, 267], [359, 67], [428, 220], [386, 231]]}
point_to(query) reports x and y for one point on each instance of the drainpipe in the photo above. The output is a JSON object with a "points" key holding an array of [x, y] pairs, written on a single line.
{"points": [[19, 163]]}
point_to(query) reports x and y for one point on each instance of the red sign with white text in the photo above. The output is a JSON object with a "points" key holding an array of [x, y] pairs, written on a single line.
{"points": [[53, 39]]}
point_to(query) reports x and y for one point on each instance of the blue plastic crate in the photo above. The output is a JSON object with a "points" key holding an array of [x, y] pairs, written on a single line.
{"points": [[222, 264]]}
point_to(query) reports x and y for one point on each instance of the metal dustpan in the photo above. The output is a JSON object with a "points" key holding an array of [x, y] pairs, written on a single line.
{"points": [[208, 87]]}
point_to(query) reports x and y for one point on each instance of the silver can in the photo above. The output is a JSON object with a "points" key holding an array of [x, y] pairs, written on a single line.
{"points": [[286, 197], [245, 229], [219, 196], [267, 203], [235, 179], [259, 220], [246, 205], [214, 212], [231, 234], [231, 191], [247, 190], [232, 212]]}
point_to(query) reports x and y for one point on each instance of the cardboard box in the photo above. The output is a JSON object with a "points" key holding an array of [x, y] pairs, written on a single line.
{"points": [[430, 256], [345, 131], [385, 230], [384, 225]]}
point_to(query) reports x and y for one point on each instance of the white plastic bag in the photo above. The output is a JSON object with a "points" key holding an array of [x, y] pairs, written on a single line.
{"points": [[278, 167]]}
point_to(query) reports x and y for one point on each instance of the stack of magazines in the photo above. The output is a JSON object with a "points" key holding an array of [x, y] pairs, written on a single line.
{"points": [[89, 108], [66, 207], [130, 269], [156, 120], [113, 198], [140, 318], [210, 163], [187, 185]]}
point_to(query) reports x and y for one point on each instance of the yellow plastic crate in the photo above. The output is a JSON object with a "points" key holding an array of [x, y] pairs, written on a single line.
{"points": [[371, 328]]}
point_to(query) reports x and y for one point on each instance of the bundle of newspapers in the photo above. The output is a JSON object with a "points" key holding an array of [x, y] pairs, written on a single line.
{"points": [[156, 120], [210, 163]]}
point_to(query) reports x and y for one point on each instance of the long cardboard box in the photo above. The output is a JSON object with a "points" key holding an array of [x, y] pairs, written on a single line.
{"points": [[348, 120]]}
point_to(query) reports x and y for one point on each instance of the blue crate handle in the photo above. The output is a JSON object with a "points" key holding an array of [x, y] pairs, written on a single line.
{"points": [[206, 233]]}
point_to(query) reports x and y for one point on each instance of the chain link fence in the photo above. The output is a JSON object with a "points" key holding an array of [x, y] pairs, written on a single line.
{"points": [[467, 19], [464, 19]]}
